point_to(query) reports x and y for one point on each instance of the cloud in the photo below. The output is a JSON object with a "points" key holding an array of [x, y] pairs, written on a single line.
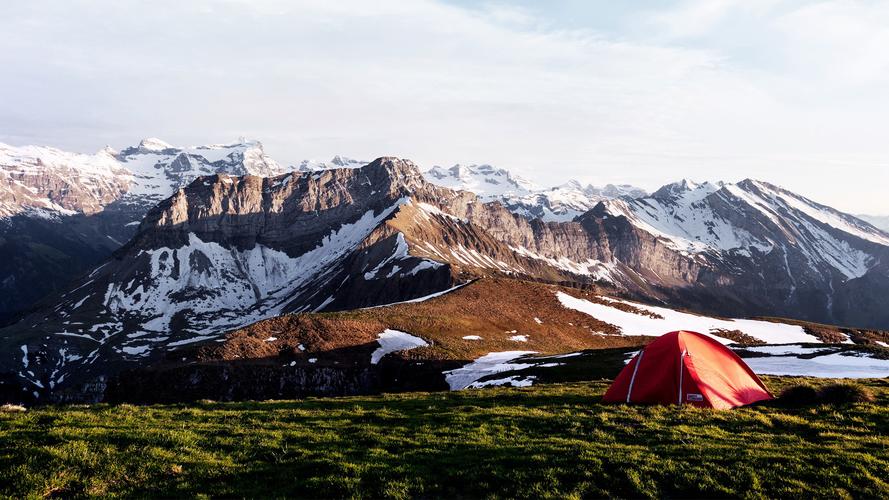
{"points": [[686, 96]]}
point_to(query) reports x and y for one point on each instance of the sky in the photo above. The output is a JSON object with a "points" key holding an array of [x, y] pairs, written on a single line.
{"points": [[645, 92]]}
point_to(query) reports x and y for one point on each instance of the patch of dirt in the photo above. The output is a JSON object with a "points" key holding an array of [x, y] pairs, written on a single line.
{"points": [[828, 335], [737, 336], [281, 337], [593, 297]]}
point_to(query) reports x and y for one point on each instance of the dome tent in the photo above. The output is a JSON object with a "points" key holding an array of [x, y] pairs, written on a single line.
{"points": [[687, 368]]}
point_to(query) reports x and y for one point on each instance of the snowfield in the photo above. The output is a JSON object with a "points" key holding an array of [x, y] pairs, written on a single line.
{"points": [[488, 364], [818, 362], [638, 324], [512, 380], [393, 341]]}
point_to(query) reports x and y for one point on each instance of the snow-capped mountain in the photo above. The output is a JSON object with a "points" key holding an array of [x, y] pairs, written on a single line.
{"points": [[763, 247], [47, 181], [559, 203], [753, 217], [487, 182], [336, 162], [54, 182], [159, 169]]}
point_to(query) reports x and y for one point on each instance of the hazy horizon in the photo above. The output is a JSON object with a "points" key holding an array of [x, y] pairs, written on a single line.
{"points": [[789, 92]]}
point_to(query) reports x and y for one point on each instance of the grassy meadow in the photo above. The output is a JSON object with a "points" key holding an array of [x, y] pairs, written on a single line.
{"points": [[547, 441]]}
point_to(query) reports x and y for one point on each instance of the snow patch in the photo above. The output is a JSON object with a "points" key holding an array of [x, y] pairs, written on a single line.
{"points": [[513, 381], [494, 362], [136, 351], [226, 287], [392, 341], [637, 324]]}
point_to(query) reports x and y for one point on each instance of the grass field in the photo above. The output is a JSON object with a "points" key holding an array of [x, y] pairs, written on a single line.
{"points": [[545, 441]]}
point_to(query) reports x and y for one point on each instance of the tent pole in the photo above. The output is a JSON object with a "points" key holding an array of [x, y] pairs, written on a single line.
{"points": [[633, 378], [681, 366]]}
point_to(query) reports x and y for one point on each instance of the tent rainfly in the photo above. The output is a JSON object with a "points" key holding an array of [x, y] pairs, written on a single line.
{"points": [[687, 368]]}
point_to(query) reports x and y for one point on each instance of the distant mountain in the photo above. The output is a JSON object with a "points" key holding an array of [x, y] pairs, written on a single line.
{"points": [[337, 162], [879, 221], [49, 182], [560, 203]]}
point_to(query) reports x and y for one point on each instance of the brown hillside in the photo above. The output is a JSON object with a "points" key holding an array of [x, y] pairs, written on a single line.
{"points": [[493, 309]]}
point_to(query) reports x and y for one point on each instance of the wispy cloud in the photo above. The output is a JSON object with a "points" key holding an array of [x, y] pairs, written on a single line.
{"points": [[713, 89]]}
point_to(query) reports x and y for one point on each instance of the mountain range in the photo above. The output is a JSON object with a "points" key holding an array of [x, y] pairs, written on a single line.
{"points": [[205, 241], [557, 204]]}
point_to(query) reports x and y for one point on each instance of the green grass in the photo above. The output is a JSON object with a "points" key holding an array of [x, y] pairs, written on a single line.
{"points": [[547, 441]]}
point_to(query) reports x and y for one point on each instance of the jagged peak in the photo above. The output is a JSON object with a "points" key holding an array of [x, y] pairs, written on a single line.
{"points": [[570, 185], [683, 186], [394, 163], [749, 184], [345, 161], [619, 191]]}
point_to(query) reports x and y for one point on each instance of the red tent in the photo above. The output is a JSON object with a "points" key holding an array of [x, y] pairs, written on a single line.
{"points": [[687, 368]]}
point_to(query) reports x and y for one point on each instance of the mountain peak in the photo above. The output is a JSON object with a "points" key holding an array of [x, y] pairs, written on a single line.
{"points": [[153, 144], [571, 184], [342, 161], [678, 188]]}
